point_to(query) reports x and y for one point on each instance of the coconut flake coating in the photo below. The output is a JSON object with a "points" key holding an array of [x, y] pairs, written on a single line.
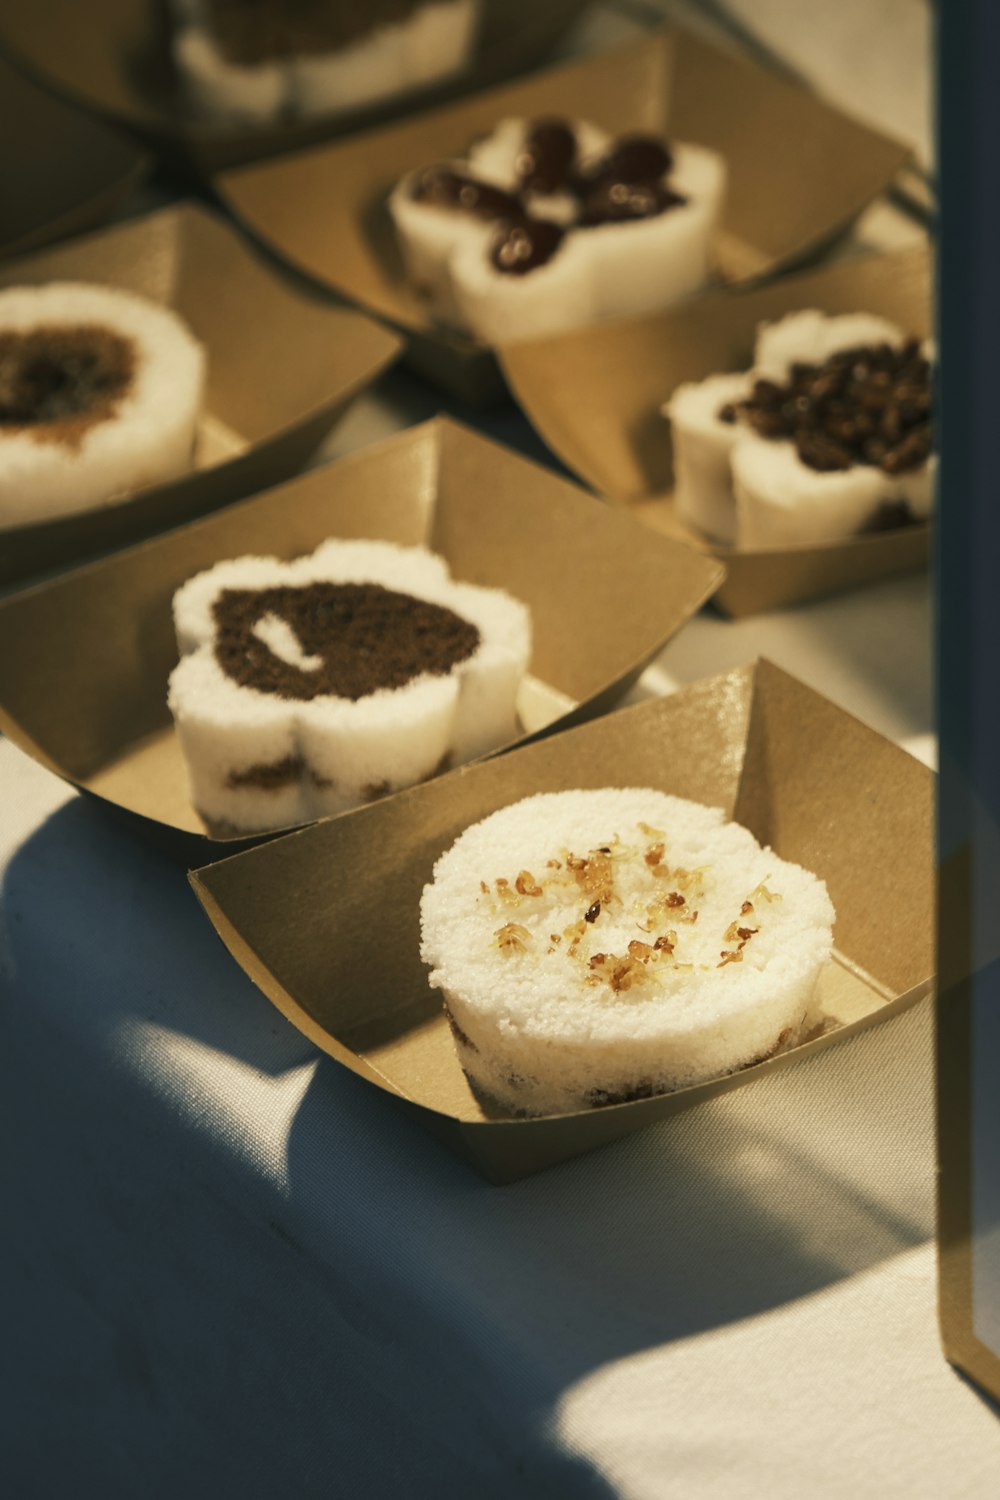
{"points": [[594, 946]]}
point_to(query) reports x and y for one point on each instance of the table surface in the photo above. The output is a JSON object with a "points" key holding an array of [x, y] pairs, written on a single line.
{"points": [[234, 1268]]}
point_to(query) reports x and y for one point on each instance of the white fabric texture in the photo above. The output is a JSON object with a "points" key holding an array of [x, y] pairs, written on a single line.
{"points": [[238, 1269]]}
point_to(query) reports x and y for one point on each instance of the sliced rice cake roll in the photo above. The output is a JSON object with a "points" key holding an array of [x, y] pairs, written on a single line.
{"points": [[598, 946], [370, 68], [781, 502], [217, 88], [859, 457], [581, 227], [440, 212], [440, 39], [810, 337], [703, 423], [100, 393], [651, 243], [533, 280], [310, 687]]}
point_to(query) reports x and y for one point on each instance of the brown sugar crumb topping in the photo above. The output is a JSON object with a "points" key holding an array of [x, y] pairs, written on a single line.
{"points": [[644, 955], [870, 405], [368, 637], [512, 938], [59, 380], [620, 973]]}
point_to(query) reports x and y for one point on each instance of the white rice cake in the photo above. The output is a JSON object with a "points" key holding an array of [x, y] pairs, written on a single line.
{"points": [[603, 271], [742, 489], [598, 946], [95, 447], [259, 759], [432, 43]]}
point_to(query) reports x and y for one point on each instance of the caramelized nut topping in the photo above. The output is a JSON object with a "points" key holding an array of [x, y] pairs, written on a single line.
{"points": [[527, 885]]}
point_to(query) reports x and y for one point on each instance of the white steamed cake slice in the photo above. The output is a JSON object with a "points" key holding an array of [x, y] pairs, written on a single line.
{"points": [[259, 760], [602, 271], [781, 501], [641, 266], [745, 489], [703, 446], [594, 946], [121, 387], [432, 42], [242, 93]]}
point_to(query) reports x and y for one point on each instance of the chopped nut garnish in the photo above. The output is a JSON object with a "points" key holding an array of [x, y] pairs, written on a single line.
{"points": [[654, 854], [512, 938], [553, 864], [674, 899], [641, 951], [746, 908], [527, 885], [764, 894], [555, 938], [666, 943], [746, 933], [733, 957], [593, 912]]}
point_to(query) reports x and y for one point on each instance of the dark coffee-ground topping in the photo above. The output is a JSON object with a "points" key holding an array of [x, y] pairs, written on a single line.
{"points": [[868, 405], [59, 380], [524, 245], [547, 159], [443, 187], [624, 186], [256, 31], [632, 158], [369, 637], [624, 202]]}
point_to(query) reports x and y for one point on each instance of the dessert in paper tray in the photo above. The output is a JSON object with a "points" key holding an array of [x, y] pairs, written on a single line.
{"points": [[594, 947], [100, 393], [827, 437], [310, 687], [549, 224], [262, 61]]}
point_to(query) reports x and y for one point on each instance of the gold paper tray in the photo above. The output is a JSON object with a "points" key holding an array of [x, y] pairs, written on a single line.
{"points": [[70, 173], [595, 397], [799, 173], [256, 428], [84, 660], [326, 920], [113, 57]]}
